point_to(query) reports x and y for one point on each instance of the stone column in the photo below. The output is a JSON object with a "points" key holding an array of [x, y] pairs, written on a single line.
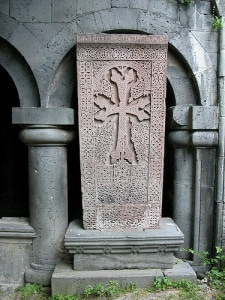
{"points": [[48, 196], [193, 187], [183, 188]]}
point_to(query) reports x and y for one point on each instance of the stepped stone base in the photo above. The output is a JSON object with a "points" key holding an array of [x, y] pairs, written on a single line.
{"points": [[124, 256], [107, 250], [67, 281]]}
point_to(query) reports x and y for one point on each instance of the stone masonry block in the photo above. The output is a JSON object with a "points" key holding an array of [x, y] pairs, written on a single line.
{"points": [[106, 19], [88, 23], [88, 6], [28, 45], [143, 21], [67, 281], [208, 39], [141, 4], [164, 7], [16, 249], [7, 26], [63, 11], [31, 10], [181, 270], [47, 116], [120, 3], [204, 7], [204, 117], [178, 117], [4, 7], [44, 32], [221, 7], [190, 17]]}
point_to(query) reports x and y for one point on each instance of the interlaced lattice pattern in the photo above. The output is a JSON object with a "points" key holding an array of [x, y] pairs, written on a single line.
{"points": [[121, 91]]}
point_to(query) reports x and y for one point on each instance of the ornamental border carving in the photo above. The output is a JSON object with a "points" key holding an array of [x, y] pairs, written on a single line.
{"points": [[140, 62]]}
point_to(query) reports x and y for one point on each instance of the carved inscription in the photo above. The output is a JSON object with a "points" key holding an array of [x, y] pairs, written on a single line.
{"points": [[121, 125]]}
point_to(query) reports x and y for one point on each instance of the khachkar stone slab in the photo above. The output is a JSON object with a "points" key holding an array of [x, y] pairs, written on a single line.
{"points": [[121, 91]]}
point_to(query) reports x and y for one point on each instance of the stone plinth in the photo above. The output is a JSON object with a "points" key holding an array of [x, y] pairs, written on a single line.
{"points": [[121, 92], [99, 250], [67, 281]]}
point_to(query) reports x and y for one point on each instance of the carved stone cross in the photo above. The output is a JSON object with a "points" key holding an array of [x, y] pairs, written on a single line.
{"points": [[122, 104], [121, 94]]}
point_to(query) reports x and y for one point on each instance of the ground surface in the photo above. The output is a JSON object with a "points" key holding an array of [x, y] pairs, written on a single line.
{"points": [[205, 294]]}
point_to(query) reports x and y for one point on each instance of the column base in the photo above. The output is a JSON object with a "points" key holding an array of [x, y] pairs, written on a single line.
{"points": [[39, 274]]}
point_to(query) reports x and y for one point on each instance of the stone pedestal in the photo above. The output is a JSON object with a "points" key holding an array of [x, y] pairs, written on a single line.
{"points": [[48, 197], [107, 250], [124, 257]]}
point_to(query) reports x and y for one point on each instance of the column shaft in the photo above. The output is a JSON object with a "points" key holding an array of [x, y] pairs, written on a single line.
{"points": [[48, 197]]}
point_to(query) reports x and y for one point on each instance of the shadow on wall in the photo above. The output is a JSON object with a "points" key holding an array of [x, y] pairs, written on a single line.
{"points": [[13, 155]]}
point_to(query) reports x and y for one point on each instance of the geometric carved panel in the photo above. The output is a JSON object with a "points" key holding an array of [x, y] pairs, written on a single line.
{"points": [[121, 94]]}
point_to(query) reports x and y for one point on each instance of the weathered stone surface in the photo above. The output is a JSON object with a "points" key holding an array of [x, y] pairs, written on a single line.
{"points": [[209, 40], [92, 5], [181, 270], [168, 8], [4, 7], [221, 7], [8, 26], [16, 227], [204, 139], [178, 117], [97, 250], [48, 197], [49, 29], [121, 149], [120, 3], [193, 117], [204, 117], [67, 281], [142, 4], [33, 47], [16, 249], [88, 24], [183, 189], [31, 10], [63, 11]]}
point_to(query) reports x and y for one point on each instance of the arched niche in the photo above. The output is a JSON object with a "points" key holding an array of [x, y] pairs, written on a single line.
{"points": [[17, 67], [13, 158]]}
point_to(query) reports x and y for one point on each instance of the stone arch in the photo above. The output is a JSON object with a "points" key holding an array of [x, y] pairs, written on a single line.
{"points": [[64, 81], [182, 42], [17, 67], [181, 80], [179, 74]]}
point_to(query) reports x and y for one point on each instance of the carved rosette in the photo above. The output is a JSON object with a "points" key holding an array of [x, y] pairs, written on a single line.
{"points": [[121, 84]]}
